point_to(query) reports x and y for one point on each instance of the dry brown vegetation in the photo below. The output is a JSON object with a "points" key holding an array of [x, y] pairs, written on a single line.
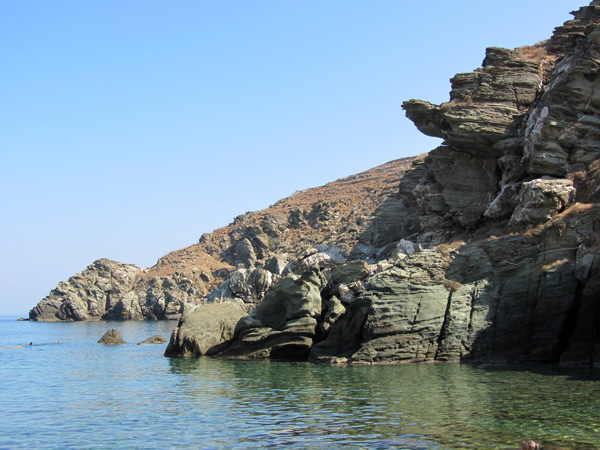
{"points": [[536, 52], [446, 248], [346, 204], [555, 264], [451, 285]]}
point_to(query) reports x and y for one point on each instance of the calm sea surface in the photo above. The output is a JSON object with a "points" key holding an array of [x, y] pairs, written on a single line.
{"points": [[80, 394]]}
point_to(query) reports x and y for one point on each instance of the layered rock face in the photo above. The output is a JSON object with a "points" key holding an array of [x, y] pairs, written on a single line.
{"points": [[528, 297], [518, 133], [519, 154], [489, 249], [477, 172]]}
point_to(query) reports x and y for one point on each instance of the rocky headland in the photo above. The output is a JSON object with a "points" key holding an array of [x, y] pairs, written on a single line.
{"points": [[485, 249], [239, 261]]}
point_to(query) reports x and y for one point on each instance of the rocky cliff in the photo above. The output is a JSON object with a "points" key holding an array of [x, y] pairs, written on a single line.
{"points": [[240, 261], [488, 251]]}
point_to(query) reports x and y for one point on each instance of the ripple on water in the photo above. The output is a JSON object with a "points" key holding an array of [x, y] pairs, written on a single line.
{"points": [[80, 394]]}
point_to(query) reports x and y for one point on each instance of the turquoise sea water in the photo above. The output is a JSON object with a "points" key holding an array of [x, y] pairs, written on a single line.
{"points": [[82, 395]]}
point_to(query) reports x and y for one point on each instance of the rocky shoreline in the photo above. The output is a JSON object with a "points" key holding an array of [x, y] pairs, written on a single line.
{"points": [[484, 249]]}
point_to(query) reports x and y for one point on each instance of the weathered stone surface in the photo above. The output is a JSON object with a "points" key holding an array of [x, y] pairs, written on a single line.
{"points": [[407, 310], [328, 218], [322, 256], [156, 339], [112, 337], [277, 264], [205, 330], [521, 298], [248, 285], [344, 336], [348, 273], [88, 295], [244, 252], [283, 325], [541, 199], [115, 291], [397, 217], [583, 348], [563, 129], [476, 174], [486, 105], [333, 311], [467, 184]]}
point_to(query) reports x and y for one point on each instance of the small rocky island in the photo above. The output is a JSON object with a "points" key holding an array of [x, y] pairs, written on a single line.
{"points": [[485, 249]]}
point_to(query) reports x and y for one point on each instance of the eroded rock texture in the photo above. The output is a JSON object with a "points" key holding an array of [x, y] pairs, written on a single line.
{"points": [[489, 249], [486, 249], [205, 330], [112, 337], [283, 325], [239, 262], [516, 132], [112, 290]]}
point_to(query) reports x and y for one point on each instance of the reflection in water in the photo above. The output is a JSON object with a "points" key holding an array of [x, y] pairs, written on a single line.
{"points": [[81, 394], [451, 405]]}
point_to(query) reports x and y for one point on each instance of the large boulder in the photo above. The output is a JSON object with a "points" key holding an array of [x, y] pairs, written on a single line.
{"points": [[283, 325], [205, 330], [112, 337]]}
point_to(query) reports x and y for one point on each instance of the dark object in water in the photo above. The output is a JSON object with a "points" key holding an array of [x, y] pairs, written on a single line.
{"points": [[156, 339], [112, 337]]}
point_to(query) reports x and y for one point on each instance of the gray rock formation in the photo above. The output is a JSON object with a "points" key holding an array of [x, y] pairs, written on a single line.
{"points": [[239, 261], [205, 330], [508, 299], [89, 294], [283, 325], [541, 199], [481, 125], [247, 285], [116, 291], [487, 251], [504, 221], [112, 337], [156, 339]]}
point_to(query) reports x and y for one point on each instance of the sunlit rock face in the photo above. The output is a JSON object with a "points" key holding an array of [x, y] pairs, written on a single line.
{"points": [[238, 262], [116, 291], [528, 113], [475, 174], [205, 330], [503, 218], [486, 249], [512, 182], [563, 129]]}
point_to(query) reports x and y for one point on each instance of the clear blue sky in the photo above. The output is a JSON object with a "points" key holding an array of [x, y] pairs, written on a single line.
{"points": [[128, 128]]}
